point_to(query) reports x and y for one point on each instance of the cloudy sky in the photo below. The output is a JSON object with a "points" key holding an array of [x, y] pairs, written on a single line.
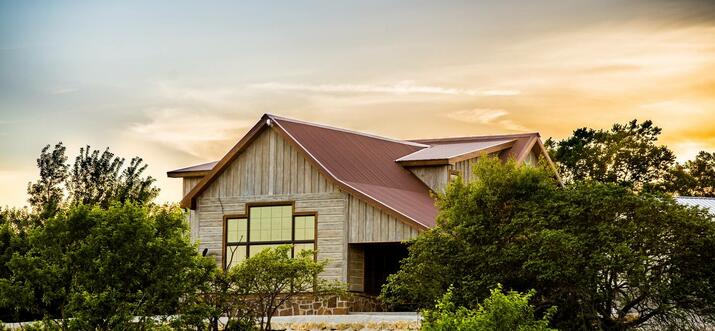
{"points": [[179, 82]]}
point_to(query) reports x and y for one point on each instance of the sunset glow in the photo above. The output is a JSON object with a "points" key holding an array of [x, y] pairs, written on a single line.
{"points": [[179, 83]]}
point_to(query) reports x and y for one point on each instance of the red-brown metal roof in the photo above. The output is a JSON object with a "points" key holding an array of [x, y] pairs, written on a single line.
{"points": [[196, 170], [366, 164], [362, 164]]}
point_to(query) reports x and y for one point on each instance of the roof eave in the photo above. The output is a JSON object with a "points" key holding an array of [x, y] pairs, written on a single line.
{"points": [[184, 174]]}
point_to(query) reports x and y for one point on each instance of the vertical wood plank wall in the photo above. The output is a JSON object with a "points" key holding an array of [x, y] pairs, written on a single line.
{"points": [[435, 177], [270, 169], [189, 183], [356, 268], [370, 224], [465, 169]]}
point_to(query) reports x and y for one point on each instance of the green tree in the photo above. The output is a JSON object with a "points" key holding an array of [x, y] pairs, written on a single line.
{"points": [[102, 267], [499, 312], [694, 177], [608, 257], [46, 193], [272, 278], [97, 178], [626, 154], [14, 227]]}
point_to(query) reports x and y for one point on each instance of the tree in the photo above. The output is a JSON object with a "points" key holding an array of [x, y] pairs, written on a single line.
{"points": [[94, 268], [14, 227], [608, 257], [626, 154], [96, 179], [499, 312], [694, 177], [272, 278], [93, 178], [46, 194]]}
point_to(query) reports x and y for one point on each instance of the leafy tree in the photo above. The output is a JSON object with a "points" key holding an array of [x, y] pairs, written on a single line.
{"points": [[608, 257], [93, 178], [220, 295], [498, 312], [46, 194], [272, 278], [626, 154], [14, 227], [101, 267], [97, 179], [694, 177]]}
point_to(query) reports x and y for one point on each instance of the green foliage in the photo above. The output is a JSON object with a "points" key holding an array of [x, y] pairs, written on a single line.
{"points": [[14, 227], [96, 268], [249, 294], [94, 179], [46, 194], [694, 177], [626, 154], [499, 312], [272, 277], [608, 257], [219, 295]]}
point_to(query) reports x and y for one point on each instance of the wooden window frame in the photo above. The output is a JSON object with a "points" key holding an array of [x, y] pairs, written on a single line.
{"points": [[246, 215]]}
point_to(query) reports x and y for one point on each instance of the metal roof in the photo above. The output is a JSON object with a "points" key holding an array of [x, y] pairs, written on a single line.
{"points": [[702, 202], [453, 150], [365, 165], [196, 170]]}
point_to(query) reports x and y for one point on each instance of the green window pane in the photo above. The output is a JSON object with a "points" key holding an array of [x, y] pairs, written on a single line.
{"points": [[236, 230], [234, 256], [304, 227], [271, 223]]}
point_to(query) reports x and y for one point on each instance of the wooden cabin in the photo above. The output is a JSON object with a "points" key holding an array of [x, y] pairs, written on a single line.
{"points": [[353, 197]]}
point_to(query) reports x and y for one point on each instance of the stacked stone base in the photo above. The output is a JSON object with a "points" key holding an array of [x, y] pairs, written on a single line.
{"points": [[309, 304]]}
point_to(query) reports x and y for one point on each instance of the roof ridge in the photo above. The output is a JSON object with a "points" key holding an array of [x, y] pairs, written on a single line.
{"points": [[329, 127], [467, 138]]}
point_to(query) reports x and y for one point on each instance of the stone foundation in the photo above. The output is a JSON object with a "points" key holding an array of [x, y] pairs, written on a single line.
{"points": [[308, 304]]}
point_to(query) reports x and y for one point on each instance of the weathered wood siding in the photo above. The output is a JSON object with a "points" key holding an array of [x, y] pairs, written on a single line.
{"points": [[465, 169], [356, 268], [271, 170], [370, 224], [435, 177], [190, 183]]}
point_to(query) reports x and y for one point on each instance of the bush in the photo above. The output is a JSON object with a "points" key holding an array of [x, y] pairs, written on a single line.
{"points": [[94, 268], [610, 258], [499, 312]]}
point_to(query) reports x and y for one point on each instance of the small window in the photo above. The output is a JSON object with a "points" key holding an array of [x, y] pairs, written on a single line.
{"points": [[267, 227]]}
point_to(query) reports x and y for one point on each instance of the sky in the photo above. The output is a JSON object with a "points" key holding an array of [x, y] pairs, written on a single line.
{"points": [[179, 82]]}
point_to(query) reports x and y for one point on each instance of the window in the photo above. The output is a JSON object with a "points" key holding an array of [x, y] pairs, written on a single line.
{"points": [[267, 227]]}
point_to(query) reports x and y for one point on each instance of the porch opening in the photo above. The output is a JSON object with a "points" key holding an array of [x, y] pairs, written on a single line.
{"points": [[377, 261]]}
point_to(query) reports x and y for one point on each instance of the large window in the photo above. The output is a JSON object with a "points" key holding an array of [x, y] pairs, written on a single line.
{"points": [[267, 227]]}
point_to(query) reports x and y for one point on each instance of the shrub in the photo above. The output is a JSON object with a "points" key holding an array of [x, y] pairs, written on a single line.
{"points": [[499, 312]]}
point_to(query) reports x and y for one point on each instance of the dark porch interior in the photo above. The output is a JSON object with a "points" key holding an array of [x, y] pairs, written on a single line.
{"points": [[381, 260]]}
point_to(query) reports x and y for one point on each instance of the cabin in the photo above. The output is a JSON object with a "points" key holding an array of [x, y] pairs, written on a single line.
{"points": [[353, 197]]}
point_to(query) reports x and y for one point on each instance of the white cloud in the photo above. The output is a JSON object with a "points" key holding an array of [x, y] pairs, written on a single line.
{"points": [[477, 115], [400, 88], [487, 116], [193, 132]]}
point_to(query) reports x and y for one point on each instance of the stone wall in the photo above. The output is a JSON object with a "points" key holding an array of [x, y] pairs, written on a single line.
{"points": [[309, 304]]}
